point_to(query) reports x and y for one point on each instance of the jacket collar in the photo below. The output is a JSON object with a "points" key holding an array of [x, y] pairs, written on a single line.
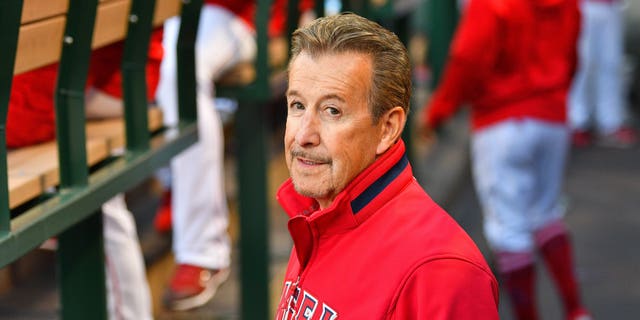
{"points": [[370, 190]]}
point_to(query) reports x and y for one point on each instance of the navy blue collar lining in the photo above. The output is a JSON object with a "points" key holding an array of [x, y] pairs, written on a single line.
{"points": [[376, 188]]}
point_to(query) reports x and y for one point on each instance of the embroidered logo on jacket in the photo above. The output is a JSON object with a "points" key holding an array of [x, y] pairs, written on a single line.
{"points": [[309, 308]]}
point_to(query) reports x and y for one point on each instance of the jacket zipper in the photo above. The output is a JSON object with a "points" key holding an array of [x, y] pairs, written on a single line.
{"points": [[295, 290]]}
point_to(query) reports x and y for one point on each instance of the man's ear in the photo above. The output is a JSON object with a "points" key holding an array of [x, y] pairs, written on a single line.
{"points": [[391, 125]]}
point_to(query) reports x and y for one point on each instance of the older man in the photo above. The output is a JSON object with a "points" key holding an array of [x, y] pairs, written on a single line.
{"points": [[369, 243]]}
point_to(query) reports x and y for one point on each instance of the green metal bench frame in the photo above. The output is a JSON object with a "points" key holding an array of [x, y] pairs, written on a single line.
{"points": [[72, 213]]}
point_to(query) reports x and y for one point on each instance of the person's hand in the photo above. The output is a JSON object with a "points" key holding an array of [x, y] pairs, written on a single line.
{"points": [[306, 18], [426, 134], [278, 52]]}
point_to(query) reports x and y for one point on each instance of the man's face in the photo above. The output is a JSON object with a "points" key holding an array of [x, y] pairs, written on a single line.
{"points": [[330, 135]]}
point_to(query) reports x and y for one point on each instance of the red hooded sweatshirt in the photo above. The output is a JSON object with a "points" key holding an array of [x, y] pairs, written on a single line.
{"points": [[509, 59], [382, 250]]}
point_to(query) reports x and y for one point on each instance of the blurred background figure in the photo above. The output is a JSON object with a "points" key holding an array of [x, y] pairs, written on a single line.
{"points": [[194, 204], [597, 107], [513, 61]]}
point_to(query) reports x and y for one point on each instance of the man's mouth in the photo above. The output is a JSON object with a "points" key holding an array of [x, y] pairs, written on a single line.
{"points": [[309, 160]]}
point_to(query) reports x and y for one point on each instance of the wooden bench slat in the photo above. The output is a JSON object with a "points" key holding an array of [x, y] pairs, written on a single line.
{"points": [[40, 166], [166, 9], [23, 189], [97, 150], [113, 129], [24, 154], [109, 131], [39, 44], [40, 41], [111, 22], [155, 118], [40, 169], [33, 10], [34, 169]]}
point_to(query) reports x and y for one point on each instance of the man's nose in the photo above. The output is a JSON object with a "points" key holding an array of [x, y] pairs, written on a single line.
{"points": [[308, 132]]}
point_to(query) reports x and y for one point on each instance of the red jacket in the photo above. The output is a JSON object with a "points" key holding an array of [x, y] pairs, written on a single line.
{"points": [[383, 250], [246, 9], [509, 59]]}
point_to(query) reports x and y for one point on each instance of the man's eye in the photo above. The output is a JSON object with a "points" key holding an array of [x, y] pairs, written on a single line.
{"points": [[297, 106], [333, 111]]}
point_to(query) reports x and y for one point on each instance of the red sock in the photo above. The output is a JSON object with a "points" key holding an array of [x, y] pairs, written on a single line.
{"points": [[162, 220], [520, 285], [558, 256]]}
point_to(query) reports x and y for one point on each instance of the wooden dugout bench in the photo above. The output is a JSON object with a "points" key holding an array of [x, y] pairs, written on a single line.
{"points": [[59, 186]]}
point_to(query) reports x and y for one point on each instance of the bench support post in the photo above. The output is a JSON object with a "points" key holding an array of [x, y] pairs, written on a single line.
{"points": [[254, 222], [82, 280], [443, 18], [70, 93], [187, 95], [134, 62], [10, 12], [80, 248], [252, 180]]}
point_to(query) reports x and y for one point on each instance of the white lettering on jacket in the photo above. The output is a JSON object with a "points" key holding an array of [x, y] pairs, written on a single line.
{"points": [[307, 309]]}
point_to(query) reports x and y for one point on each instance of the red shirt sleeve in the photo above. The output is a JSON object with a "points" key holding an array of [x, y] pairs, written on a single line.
{"points": [[31, 115], [105, 73], [448, 289], [472, 53], [306, 5], [278, 20]]}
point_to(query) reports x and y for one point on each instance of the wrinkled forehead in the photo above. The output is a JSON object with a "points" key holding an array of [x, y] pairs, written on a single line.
{"points": [[346, 72]]}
